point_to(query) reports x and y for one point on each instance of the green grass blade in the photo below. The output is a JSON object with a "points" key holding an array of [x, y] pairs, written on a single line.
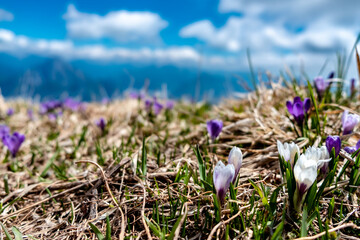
{"points": [[49, 163], [97, 232], [108, 229], [18, 235], [7, 234]]}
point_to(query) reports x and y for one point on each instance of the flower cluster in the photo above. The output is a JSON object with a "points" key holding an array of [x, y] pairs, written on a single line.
{"points": [[156, 106], [12, 142], [305, 167], [224, 175]]}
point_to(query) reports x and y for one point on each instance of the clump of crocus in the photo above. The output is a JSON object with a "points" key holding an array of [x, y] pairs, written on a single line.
{"points": [[50, 106], [321, 86], [101, 123], [298, 109], [222, 177], [214, 128], [235, 158], [4, 131], [288, 151], [10, 112], [333, 142], [13, 142], [349, 121]]}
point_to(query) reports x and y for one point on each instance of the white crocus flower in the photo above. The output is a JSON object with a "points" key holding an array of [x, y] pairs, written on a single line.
{"points": [[235, 158], [321, 155], [223, 175], [288, 151], [305, 173]]}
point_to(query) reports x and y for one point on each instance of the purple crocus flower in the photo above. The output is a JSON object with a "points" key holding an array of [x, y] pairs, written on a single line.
{"points": [[4, 131], [321, 85], [10, 112], [298, 109], [353, 149], [157, 107], [222, 177], [101, 123], [333, 142], [349, 121], [13, 142], [169, 105], [214, 128]]}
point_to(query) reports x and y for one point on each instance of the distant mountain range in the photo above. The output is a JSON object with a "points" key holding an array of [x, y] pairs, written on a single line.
{"points": [[47, 78]]}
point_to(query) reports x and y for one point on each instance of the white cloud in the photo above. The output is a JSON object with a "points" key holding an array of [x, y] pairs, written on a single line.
{"points": [[6, 16], [123, 26], [22, 46], [226, 37], [279, 32]]}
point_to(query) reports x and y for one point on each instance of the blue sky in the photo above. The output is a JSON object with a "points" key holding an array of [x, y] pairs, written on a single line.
{"points": [[213, 33]]}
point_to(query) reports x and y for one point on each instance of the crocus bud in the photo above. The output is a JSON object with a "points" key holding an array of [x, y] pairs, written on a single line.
{"points": [[349, 121], [333, 142], [321, 85], [214, 128], [101, 123], [305, 173], [288, 151], [223, 175], [298, 108], [13, 142], [235, 158], [4, 131]]}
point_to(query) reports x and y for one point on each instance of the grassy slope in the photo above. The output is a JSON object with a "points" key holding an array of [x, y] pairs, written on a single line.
{"points": [[50, 182]]}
